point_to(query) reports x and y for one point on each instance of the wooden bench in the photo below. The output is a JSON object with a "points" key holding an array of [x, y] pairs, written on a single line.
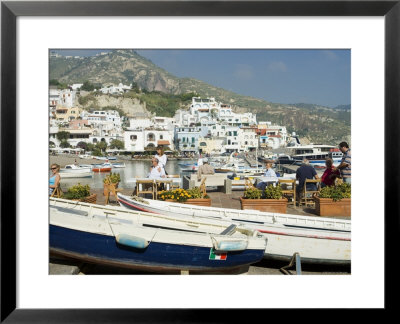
{"points": [[219, 180]]}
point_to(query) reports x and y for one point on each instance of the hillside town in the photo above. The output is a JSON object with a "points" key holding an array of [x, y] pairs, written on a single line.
{"points": [[207, 127]]}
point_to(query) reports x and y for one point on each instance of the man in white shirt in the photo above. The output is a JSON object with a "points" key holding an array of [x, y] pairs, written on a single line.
{"points": [[269, 173], [156, 171]]}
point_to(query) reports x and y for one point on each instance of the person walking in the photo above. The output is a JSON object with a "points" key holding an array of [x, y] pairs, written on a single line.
{"points": [[345, 165]]}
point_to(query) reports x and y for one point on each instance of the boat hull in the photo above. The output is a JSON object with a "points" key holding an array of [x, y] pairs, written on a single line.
{"points": [[157, 257], [101, 169], [315, 245], [83, 174]]}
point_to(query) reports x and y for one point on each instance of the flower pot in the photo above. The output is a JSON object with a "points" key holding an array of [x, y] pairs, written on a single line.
{"points": [[108, 187], [199, 201], [92, 199], [328, 207], [194, 201], [265, 205]]}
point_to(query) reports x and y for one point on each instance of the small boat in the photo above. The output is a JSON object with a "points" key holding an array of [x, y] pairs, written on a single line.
{"points": [[118, 165], [102, 158], [112, 158], [114, 236], [105, 167], [76, 171], [318, 240]]}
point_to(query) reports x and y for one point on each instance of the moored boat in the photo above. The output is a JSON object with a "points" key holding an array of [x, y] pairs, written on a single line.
{"points": [[118, 165], [105, 167], [318, 240], [111, 235], [76, 171]]}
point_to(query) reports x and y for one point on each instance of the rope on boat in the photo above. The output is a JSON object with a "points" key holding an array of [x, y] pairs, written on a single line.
{"points": [[139, 199]]}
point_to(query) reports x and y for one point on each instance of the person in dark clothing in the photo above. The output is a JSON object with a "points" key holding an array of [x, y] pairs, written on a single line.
{"points": [[306, 171]]}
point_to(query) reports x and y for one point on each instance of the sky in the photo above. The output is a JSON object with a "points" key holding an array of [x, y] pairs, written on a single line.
{"points": [[320, 77]]}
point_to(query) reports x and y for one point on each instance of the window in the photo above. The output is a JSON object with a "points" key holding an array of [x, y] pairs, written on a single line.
{"points": [[133, 137], [161, 137]]}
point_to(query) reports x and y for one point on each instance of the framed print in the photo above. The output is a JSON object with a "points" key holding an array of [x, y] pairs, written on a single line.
{"points": [[30, 29]]}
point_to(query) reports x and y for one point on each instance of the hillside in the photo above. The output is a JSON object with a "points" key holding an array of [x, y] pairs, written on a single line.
{"points": [[162, 94]]}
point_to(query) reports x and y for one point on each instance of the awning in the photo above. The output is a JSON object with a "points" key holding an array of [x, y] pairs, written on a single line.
{"points": [[162, 142]]}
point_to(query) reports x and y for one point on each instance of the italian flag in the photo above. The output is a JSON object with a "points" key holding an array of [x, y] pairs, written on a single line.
{"points": [[217, 256]]}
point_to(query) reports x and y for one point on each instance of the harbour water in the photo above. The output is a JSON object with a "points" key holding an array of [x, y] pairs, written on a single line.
{"points": [[133, 168]]}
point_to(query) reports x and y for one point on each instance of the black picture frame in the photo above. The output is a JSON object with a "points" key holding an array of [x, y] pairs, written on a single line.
{"points": [[10, 10]]}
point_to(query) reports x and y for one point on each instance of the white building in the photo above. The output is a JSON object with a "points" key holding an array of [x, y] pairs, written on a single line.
{"points": [[103, 117], [137, 140], [119, 89]]}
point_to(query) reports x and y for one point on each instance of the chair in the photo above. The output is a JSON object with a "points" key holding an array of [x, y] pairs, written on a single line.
{"points": [[110, 188], [174, 185], [145, 187], [57, 192], [203, 187], [307, 195], [289, 189], [248, 183], [161, 185]]}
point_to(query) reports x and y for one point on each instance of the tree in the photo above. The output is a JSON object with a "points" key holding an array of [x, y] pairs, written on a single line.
{"points": [[64, 144], [117, 144], [87, 86], [62, 136], [102, 146], [82, 145]]}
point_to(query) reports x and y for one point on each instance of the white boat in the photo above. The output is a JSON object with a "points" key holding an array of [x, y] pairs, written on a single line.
{"points": [[316, 239], [118, 165], [110, 235], [316, 154], [76, 171]]}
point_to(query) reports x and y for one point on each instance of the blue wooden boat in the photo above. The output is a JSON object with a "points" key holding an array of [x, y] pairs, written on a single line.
{"points": [[114, 236]]}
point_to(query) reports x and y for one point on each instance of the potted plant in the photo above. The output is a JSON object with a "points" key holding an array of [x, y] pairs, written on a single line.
{"points": [[192, 196], [81, 193], [334, 200], [272, 201], [111, 181]]}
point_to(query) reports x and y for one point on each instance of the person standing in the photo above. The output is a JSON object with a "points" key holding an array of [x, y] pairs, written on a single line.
{"points": [[55, 178], [306, 171], [345, 165], [161, 157]]}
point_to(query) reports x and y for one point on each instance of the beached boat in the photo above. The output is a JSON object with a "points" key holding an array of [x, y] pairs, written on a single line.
{"points": [[318, 240], [105, 167], [114, 236]]}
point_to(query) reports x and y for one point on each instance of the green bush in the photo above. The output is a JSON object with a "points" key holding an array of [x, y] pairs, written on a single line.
{"points": [[252, 193], [78, 192], [112, 178], [336, 193], [272, 192], [195, 193]]}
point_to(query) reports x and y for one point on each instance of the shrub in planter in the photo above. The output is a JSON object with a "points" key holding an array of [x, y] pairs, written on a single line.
{"points": [[271, 202], [336, 193], [80, 193], [334, 201]]}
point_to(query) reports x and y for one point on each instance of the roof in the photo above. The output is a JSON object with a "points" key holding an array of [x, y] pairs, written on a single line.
{"points": [[162, 142]]}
